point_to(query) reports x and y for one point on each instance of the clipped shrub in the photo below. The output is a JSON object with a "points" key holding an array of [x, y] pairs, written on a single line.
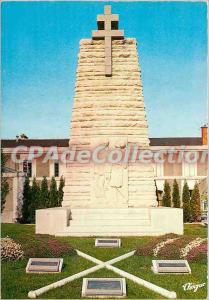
{"points": [[44, 194], [4, 183], [166, 201], [35, 194], [195, 204], [176, 195], [60, 191], [10, 250], [26, 202], [186, 203], [53, 193]]}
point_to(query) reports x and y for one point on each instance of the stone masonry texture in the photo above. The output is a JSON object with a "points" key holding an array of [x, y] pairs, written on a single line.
{"points": [[109, 111]]}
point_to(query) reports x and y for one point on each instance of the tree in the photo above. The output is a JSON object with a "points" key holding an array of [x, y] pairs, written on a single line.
{"points": [[195, 204], [26, 202], [4, 183], [53, 193], [186, 203], [44, 194], [176, 195], [166, 201], [60, 191], [35, 194]]}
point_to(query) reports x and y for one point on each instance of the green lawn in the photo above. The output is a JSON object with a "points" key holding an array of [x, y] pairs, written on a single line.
{"points": [[16, 283]]}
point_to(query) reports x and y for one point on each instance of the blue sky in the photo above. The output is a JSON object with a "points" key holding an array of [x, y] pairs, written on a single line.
{"points": [[40, 43]]}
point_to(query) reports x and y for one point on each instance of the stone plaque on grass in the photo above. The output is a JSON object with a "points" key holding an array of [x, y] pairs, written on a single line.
{"points": [[44, 265], [104, 287], [170, 266], [107, 243]]}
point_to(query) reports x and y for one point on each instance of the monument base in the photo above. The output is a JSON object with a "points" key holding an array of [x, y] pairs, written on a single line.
{"points": [[145, 221]]}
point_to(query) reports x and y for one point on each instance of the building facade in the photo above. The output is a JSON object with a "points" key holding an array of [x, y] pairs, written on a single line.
{"points": [[168, 166]]}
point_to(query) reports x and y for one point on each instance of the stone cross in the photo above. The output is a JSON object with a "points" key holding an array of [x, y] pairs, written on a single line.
{"points": [[108, 30]]}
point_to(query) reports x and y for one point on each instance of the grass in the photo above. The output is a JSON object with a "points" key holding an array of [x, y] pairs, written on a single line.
{"points": [[16, 283]]}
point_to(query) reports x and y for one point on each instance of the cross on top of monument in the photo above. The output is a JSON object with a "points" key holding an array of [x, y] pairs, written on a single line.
{"points": [[108, 30]]}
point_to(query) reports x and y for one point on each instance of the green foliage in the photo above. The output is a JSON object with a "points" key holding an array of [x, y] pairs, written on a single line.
{"points": [[60, 191], [195, 204], [44, 194], [35, 194], [16, 283], [186, 203], [37, 197], [166, 201], [53, 193], [26, 201], [4, 183], [176, 195]]}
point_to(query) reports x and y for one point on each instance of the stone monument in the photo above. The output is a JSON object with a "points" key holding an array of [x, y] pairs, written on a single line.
{"points": [[109, 198]]}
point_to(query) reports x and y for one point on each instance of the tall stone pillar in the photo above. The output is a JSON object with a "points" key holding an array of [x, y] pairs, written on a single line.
{"points": [[109, 110], [105, 198]]}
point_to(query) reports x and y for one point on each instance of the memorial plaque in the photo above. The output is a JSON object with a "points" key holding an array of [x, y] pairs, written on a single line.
{"points": [[104, 287], [170, 266], [107, 243], [44, 265]]}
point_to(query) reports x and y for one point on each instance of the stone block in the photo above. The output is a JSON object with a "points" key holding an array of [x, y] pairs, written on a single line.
{"points": [[167, 219], [170, 266], [104, 287], [107, 243], [44, 265], [49, 220]]}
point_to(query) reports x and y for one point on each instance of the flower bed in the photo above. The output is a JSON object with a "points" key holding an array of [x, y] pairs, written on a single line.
{"points": [[162, 244], [46, 246], [172, 251], [10, 250], [199, 253], [149, 248], [193, 244], [175, 247]]}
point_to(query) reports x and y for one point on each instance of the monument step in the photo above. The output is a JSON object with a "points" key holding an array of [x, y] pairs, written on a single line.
{"points": [[78, 203], [110, 216], [108, 234], [108, 211], [108, 230], [108, 222], [117, 227]]}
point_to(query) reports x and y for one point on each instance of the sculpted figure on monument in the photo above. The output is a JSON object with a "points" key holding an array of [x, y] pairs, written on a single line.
{"points": [[111, 179]]}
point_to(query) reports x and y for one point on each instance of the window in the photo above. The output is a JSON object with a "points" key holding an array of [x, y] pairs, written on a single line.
{"points": [[190, 169], [205, 205], [173, 168], [158, 167], [42, 168], [114, 25], [101, 25], [56, 169], [27, 168], [202, 168]]}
